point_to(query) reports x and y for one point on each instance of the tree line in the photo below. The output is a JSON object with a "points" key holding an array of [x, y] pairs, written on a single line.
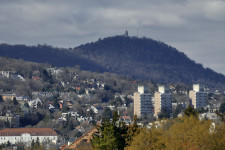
{"points": [[187, 132]]}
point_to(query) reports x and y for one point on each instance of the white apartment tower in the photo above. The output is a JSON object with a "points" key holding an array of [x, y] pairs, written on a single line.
{"points": [[162, 100], [142, 102], [198, 96]]}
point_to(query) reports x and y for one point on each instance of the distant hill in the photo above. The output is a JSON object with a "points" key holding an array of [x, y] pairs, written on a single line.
{"points": [[141, 58], [47, 54], [148, 59]]}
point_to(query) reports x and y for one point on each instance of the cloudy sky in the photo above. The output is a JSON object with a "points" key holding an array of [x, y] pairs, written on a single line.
{"points": [[195, 27]]}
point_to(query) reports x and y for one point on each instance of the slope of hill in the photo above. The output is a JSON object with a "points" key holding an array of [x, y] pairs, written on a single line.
{"points": [[141, 58], [47, 54], [147, 58]]}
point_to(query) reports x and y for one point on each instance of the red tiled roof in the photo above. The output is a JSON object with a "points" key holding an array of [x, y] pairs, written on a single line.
{"points": [[126, 117], [31, 131]]}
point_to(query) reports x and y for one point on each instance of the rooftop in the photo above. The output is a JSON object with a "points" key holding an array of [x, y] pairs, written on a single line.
{"points": [[31, 131]]}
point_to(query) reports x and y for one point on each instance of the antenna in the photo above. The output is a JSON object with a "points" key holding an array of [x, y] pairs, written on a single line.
{"points": [[137, 32]]}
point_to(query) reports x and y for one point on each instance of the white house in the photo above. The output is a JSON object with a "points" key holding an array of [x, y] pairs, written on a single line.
{"points": [[96, 109], [26, 135], [209, 115], [35, 102]]}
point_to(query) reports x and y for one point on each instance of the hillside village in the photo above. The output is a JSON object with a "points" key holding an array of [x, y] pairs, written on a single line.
{"points": [[71, 101]]}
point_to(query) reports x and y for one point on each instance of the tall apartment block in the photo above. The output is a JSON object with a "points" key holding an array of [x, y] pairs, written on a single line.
{"points": [[198, 96], [142, 102], [163, 100]]}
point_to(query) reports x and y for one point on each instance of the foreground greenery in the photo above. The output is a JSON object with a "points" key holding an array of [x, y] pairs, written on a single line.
{"points": [[187, 132], [184, 133]]}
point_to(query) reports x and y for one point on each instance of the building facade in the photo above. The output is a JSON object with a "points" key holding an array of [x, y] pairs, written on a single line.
{"points": [[163, 100], [26, 135], [198, 96], [10, 96], [142, 102], [13, 120]]}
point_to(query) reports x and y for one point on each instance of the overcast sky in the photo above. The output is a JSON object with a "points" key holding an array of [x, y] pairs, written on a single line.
{"points": [[195, 27]]}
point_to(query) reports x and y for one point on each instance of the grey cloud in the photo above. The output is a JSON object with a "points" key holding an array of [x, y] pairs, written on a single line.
{"points": [[195, 27]]}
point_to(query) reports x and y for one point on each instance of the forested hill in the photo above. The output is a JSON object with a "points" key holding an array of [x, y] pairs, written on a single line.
{"points": [[147, 58], [47, 54], [142, 58]]}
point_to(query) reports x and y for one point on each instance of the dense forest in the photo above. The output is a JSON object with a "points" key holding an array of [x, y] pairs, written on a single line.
{"points": [[47, 54], [141, 58], [147, 59]]}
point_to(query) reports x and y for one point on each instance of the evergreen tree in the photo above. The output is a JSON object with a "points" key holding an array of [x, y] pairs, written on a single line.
{"points": [[55, 101], [1, 99], [37, 143], [190, 111], [26, 104], [222, 108], [133, 129], [32, 144], [46, 77], [8, 143], [109, 135], [107, 114], [15, 101]]}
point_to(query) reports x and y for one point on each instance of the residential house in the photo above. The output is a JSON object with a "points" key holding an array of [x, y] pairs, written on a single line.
{"points": [[126, 119], [34, 103], [96, 109], [12, 119], [9, 96], [22, 99], [209, 115]]}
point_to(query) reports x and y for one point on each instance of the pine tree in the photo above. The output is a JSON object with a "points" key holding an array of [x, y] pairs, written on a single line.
{"points": [[37, 144], [15, 101], [133, 129], [1, 99], [190, 111], [109, 135], [32, 144]]}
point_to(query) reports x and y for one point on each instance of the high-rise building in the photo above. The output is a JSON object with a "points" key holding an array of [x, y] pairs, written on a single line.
{"points": [[162, 100], [198, 96], [142, 102]]}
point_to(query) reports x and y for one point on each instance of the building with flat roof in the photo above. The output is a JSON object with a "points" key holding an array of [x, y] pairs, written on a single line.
{"points": [[142, 102], [163, 100], [26, 135], [198, 96]]}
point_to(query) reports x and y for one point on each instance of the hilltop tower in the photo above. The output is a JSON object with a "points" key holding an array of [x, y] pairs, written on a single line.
{"points": [[126, 33]]}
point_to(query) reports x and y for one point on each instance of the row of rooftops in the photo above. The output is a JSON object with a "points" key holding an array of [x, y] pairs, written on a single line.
{"points": [[31, 131]]}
